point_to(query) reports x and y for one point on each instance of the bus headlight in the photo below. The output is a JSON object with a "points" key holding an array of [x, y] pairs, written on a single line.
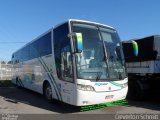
{"points": [[85, 87]]}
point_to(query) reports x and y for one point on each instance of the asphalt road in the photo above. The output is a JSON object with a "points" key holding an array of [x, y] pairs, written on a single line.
{"points": [[24, 102]]}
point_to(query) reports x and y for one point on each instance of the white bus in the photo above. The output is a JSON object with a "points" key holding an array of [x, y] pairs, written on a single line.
{"points": [[77, 62]]}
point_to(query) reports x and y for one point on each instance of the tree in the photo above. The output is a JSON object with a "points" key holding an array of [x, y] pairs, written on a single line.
{"points": [[3, 62], [9, 62]]}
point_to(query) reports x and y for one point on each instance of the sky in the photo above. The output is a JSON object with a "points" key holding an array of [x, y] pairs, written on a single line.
{"points": [[23, 20]]}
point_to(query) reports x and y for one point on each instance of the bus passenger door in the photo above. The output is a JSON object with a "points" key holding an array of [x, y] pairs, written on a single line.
{"points": [[63, 62], [68, 86]]}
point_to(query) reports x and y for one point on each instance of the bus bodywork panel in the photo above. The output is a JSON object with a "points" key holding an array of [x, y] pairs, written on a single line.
{"points": [[103, 92]]}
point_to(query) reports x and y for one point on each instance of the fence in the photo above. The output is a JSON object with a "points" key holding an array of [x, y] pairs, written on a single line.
{"points": [[5, 71]]}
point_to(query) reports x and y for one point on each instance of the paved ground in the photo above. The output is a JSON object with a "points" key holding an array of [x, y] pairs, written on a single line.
{"points": [[21, 101]]}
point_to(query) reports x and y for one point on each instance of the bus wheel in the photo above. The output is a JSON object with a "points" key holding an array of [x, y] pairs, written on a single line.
{"points": [[48, 92], [137, 91]]}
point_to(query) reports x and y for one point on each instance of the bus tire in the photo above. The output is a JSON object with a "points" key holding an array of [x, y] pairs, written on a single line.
{"points": [[138, 91], [47, 91]]}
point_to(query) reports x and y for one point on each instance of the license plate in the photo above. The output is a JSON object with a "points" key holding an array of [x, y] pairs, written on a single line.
{"points": [[109, 96]]}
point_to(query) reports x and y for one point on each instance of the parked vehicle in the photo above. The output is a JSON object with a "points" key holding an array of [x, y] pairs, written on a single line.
{"points": [[77, 62], [144, 68]]}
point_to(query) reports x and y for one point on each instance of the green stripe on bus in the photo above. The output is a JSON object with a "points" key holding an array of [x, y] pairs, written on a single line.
{"points": [[116, 84]]}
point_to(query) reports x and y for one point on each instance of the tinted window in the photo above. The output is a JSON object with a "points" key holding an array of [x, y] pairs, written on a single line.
{"points": [[24, 55], [40, 47], [34, 50], [62, 51], [45, 45]]}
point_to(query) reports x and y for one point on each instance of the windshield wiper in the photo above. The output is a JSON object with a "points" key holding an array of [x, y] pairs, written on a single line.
{"points": [[98, 76], [105, 51]]}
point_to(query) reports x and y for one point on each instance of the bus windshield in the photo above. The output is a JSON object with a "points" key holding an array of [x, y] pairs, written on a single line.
{"points": [[101, 57]]}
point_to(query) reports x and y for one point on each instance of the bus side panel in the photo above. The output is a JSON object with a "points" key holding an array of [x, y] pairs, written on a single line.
{"points": [[33, 73]]}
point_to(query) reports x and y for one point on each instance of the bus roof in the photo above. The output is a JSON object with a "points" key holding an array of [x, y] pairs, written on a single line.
{"points": [[69, 20], [82, 21]]}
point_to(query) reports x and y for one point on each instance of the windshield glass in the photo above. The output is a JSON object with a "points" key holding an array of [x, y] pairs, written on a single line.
{"points": [[101, 57]]}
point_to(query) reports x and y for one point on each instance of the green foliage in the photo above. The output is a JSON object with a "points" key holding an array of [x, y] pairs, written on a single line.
{"points": [[5, 83]]}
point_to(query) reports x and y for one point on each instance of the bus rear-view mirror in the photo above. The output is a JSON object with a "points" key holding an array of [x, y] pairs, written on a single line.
{"points": [[78, 41]]}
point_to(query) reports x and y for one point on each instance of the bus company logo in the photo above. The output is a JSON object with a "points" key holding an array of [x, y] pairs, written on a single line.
{"points": [[100, 84]]}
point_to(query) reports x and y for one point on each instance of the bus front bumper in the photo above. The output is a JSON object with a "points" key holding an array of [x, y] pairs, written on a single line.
{"points": [[91, 97]]}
